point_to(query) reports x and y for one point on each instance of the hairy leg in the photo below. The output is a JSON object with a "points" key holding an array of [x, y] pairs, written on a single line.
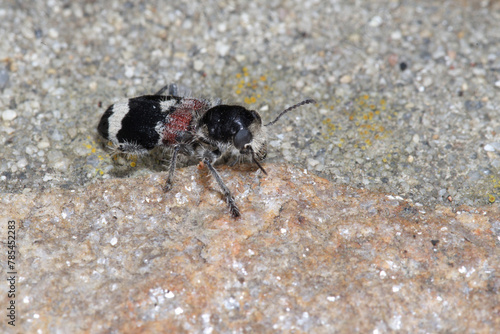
{"points": [[171, 88], [171, 170], [235, 212]]}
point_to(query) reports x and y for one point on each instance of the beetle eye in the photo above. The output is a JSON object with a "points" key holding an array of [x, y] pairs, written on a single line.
{"points": [[242, 138]]}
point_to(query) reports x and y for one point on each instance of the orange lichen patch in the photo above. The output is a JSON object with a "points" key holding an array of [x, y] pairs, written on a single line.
{"points": [[250, 100], [494, 191], [491, 198], [251, 86], [106, 156], [367, 114], [331, 128]]}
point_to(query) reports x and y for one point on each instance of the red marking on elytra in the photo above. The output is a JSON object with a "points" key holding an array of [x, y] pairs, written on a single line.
{"points": [[194, 104], [180, 120]]}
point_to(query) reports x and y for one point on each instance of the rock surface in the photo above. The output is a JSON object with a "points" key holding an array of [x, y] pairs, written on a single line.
{"points": [[306, 256]]}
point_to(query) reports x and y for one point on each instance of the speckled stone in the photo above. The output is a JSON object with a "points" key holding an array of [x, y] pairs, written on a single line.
{"points": [[408, 103], [307, 255], [382, 72]]}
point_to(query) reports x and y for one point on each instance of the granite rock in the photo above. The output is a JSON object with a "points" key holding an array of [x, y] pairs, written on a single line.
{"points": [[307, 255]]}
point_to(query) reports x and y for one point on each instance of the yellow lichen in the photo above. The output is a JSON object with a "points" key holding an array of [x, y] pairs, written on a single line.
{"points": [[491, 199]]}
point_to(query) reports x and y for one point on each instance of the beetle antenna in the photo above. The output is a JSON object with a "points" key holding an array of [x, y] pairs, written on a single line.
{"points": [[291, 108]]}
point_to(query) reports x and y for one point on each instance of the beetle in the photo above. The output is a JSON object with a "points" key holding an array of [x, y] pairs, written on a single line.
{"points": [[191, 127]]}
